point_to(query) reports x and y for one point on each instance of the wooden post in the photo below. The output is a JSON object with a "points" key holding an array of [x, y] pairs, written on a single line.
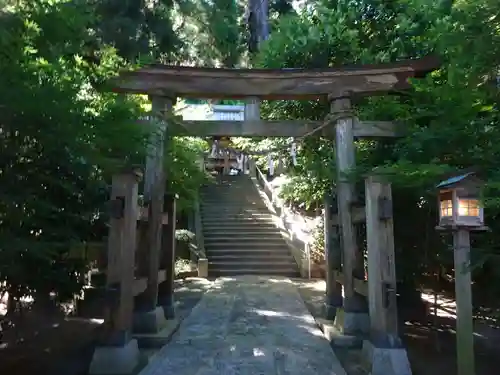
{"points": [[386, 353], [333, 256], [252, 113], [121, 248], [226, 163], [166, 296], [160, 105], [252, 109], [381, 266], [149, 317], [356, 317], [119, 354], [463, 296]]}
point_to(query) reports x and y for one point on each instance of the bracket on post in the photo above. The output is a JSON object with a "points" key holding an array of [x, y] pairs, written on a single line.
{"points": [[387, 291], [112, 292], [111, 300], [385, 208], [117, 207]]}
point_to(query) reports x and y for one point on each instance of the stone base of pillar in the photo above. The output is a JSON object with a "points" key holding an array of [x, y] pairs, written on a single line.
{"points": [[333, 302], [151, 321], [203, 267], [330, 312], [157, 340], [166, 299], [356, 316], [386, 361], [168, 311], [333, 329], [116, 360], [356, 323]]}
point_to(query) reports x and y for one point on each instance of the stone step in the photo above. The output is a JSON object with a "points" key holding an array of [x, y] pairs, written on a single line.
{"points": [[241, 201], [233, 225], [254, 265], [223, 230], [267, 272], [237, 212], [238, 218], [235, 209], [228, 188], [245, 245], [250, 257], [248, 252], [257, 203], [261, 233], [240, 239], [237, 215]]}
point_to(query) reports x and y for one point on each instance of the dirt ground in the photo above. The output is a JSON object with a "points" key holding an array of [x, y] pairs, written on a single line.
{"points": [[55, 344], [430, 341], [36, 341]]}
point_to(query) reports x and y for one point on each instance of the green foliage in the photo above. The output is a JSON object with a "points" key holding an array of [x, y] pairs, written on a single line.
{"points": [[184, 175], [59, 143], [62, 139], [450, 117]]}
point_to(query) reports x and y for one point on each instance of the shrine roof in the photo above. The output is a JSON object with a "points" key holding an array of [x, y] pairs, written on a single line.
{"points": [[272, 84]]}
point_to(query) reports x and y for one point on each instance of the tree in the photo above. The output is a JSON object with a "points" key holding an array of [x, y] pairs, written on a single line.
{"points": [[450, 116]]}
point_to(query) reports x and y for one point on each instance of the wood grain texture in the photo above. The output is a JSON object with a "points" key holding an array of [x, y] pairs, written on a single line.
{"points": [[381, 262], [271, 84], [280, 128]]}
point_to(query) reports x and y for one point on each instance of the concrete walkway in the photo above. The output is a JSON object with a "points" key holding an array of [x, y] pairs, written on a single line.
{"points": [[247, 325]]}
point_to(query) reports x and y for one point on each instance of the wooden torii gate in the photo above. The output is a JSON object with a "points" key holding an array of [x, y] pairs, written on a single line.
{"points": [[163, 84]]}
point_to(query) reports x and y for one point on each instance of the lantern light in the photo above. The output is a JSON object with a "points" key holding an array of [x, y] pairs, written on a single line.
{"points": [[459, 204]]}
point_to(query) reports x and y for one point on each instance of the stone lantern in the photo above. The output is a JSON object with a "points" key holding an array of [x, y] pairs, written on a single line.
{"points": [[459, 204]]}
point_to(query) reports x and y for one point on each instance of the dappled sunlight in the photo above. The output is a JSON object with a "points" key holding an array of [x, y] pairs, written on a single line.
{"points": [[446, 307], [306, 318], [277, 280], [257, 352], [313, 330]]}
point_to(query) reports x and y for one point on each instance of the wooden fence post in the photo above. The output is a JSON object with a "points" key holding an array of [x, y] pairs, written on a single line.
{"points": [[384, 350], [120, 353]]}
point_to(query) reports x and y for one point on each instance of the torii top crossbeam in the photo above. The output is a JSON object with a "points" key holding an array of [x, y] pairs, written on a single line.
{"points": [[271, 84]]}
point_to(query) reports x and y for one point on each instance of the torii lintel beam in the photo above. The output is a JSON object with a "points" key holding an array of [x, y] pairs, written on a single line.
{"points": [[271, 84], [291, 128]]}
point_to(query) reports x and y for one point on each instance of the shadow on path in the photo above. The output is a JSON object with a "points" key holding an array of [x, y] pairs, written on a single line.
{"points": [[248, 325]]}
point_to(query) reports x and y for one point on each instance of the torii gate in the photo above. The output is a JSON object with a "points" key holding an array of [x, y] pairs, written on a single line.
{"points": [[164, 84]]}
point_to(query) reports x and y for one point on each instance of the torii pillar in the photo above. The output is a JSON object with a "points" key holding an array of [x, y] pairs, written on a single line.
{"points": [[356, 312], [149, 318]]}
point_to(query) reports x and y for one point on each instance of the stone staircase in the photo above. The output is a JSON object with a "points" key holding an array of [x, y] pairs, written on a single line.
{"points": [[239, 233]]}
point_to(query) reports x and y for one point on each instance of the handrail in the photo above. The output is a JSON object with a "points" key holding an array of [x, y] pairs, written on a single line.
{"points": [[268, 190], [303, 246], [199, 248], [198, 230]]}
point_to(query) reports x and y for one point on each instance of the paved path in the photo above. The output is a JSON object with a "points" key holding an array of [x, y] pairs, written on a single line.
{"points": [[247, 325]]}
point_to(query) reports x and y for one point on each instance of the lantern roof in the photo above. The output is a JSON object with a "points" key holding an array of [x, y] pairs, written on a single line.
{"points": [[455, 180]]}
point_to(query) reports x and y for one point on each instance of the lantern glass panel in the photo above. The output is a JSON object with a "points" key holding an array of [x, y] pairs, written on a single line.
{"points": [[446, 208], [468, 207]]}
